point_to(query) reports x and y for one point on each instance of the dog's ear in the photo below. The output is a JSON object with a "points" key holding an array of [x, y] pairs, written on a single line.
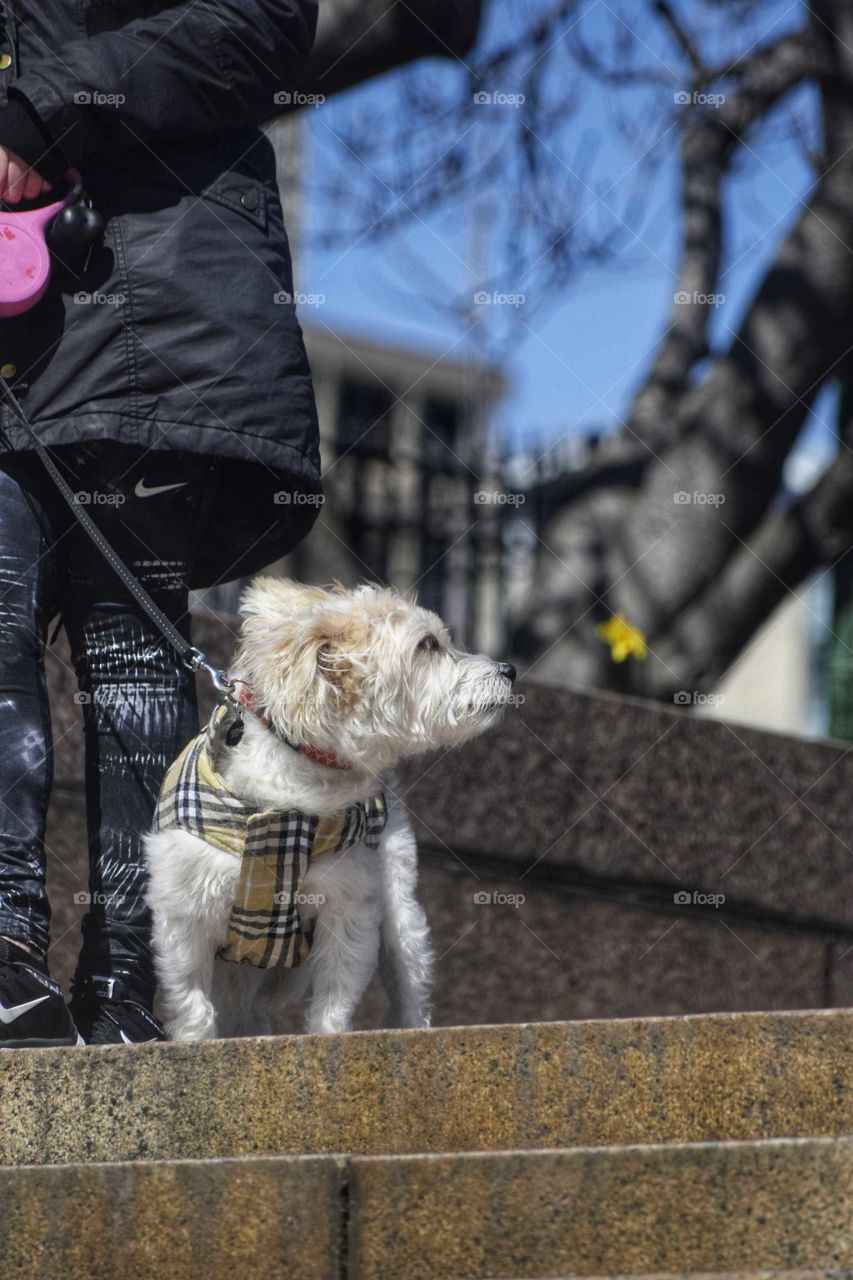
{"points": [[340, 642], [303, 650], [320, 672]]}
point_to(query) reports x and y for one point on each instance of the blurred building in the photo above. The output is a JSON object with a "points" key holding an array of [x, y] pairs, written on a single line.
{"points": [[285, 134], [406, 460], [779, 680], [536, 477]]}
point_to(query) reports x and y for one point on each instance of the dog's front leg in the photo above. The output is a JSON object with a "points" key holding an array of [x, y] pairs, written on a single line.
{"points": [[185, 982], [406, 959], [189, 888], [343, 958]]}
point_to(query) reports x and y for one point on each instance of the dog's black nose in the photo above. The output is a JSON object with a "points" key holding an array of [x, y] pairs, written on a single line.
{"points": [[508, 670]]}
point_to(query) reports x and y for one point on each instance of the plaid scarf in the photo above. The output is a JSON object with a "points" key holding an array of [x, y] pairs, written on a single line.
{"points": [[275, 847]]}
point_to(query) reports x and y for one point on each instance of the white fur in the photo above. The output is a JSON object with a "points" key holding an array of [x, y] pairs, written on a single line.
{"points": [[346, 671]]}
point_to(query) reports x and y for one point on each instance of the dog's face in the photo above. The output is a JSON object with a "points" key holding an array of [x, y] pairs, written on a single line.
{"points": [[365, 673]]}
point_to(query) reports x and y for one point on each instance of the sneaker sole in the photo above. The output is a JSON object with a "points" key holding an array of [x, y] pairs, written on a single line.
{"points": [[43, 1044]]}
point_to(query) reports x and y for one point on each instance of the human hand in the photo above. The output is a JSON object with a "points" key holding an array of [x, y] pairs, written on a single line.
{"points": [[18, 180]]}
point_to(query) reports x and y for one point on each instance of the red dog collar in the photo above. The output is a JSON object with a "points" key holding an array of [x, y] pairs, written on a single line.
{"points": [[245, 698]]}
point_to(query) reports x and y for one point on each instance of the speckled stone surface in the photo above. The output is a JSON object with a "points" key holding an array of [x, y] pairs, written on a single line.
{"points": [[703, 1211], [561, 958], [215, 1220], [729, 1207], [622, 787], [463, 1089], [565, 957]]}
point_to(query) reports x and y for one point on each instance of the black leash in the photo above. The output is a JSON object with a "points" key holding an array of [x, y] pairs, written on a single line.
{"points": [[188, 653]]}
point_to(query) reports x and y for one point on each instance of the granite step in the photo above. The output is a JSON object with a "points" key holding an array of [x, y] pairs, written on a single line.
{"points": [[822, 1273], [193, 1220], [693, 1208], [501, 1088]]}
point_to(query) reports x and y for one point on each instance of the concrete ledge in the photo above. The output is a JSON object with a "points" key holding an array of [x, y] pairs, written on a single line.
{"points": [[729, 1207], [630, 790], [725, 1207], [704, 1078], [776, 1274], [267, 1219]]}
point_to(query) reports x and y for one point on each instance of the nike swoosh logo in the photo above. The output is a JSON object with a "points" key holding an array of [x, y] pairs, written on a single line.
{"points": [[127, 1040], [17, 1011], [147, 491]]}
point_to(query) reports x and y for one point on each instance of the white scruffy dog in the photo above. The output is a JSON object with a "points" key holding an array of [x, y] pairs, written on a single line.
{"points": [[373, 678]]}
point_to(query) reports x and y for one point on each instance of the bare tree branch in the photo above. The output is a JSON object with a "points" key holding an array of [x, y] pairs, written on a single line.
{"points": [[683, 39], [707, 149]]}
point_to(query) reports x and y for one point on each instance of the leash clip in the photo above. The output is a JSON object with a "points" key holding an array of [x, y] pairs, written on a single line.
{"points": [[196, 661]]}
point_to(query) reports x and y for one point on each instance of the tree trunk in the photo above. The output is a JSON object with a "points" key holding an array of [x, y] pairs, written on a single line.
{"points": [[718, 460]]}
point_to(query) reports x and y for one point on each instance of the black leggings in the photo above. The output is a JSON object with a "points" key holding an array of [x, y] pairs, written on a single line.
{"points": [[138, 701]]}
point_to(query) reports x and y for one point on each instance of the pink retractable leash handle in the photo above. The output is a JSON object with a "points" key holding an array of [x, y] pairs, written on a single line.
{"points": [[26, 240]]}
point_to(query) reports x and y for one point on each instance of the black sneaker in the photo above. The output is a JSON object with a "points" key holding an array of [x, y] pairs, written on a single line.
{"points": [[33, 1014], [108, 1011]]}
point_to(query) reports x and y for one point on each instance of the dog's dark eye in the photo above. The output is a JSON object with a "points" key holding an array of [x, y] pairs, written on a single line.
{"points": [[429, 644]]}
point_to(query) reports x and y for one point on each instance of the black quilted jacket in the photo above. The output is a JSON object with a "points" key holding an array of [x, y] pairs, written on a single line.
{"points": [[181, 333]]}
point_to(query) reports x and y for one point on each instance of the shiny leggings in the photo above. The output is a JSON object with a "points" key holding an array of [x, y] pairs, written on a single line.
{"points": [[138, 701]]}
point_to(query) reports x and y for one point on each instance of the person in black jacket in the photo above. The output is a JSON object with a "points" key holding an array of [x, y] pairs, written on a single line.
{"points": [[168, 377]]}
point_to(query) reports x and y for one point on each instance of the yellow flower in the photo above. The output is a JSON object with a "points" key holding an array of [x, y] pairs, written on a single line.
{"points": [[625, 640]]}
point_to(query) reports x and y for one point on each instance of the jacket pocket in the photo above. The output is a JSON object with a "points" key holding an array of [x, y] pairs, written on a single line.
{"points": [[242, 194]]}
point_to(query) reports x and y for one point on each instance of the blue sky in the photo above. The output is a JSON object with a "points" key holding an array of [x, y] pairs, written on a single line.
{"points": [[574, 363]]}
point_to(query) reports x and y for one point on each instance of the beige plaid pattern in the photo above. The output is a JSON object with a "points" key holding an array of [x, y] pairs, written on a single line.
{"points": [[275, 847]]}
